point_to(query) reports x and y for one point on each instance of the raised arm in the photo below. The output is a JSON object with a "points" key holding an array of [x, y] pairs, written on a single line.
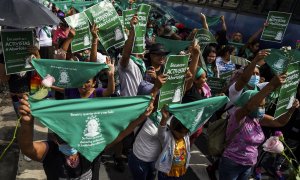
{"points": [[129, 43], [94, 31], [67, 42], [195, 55], [257, 33], [111, 80], [245, 77], [224, 27], [255, 101], [270, 121], [203, 21], [34, 150]]}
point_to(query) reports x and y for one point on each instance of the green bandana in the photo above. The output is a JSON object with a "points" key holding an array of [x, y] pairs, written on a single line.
{"points": [[199, 72], [195, 114], [245, 97], [213, 20], [174, 46], [89, 125], [155, 118], [67, 74], [140, 63]]}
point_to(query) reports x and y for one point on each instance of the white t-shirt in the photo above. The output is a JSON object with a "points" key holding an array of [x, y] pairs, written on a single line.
{"points": [[130, 79], [146, 146]]}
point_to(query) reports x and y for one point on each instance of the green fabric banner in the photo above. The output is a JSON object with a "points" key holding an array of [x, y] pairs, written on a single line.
{"points": [[288, 90], [89, 125], [194, 114], [213, 20], [67, 74], [111, 33], [277, 24], [83, 37], [63, 5], [205, 37], [174, 46], [14, 45], [172, 91]]}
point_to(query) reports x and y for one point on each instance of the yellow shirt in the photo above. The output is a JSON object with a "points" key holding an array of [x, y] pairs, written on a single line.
{"points": [[179, 159]]}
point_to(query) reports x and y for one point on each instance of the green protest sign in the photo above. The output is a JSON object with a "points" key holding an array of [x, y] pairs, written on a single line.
{"points": [[239, 60], [15, 44], [127, 16], [83, 37], [67, 74], [89, 125], [288, 90], [139, 41], [143, 12], [194, 114], [216, 85], [174, 46], [172, 91], [277, 24], [107, 20], [277, 61]]}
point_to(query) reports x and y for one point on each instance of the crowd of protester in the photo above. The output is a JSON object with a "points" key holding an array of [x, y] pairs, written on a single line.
{"points": [[249, 109]]}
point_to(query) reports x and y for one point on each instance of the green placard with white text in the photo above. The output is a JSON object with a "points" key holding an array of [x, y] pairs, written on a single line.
{"points": [[83, 37], [288, 90], [15, 44], [277, 24], [173, 90], [111, 33]]}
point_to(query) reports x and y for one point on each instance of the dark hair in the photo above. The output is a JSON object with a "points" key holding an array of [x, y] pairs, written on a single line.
{"points": [[207, 51], [226, 49], [177, 125]]}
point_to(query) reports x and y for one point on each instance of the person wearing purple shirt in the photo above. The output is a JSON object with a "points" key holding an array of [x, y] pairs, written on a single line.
{"points": [[241, 152]]}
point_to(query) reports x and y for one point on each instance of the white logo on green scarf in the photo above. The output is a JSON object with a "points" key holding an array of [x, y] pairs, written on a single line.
{"points": [[92, 127], [92, 133], [197, 118], [64, 78]]}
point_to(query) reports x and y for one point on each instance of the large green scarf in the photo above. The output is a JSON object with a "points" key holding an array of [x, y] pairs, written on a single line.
{"points": [[67, 74], [194, 114], [89, 125], [174, 46]]}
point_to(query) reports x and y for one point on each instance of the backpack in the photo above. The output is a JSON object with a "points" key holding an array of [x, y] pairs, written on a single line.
{"points": [[217, 135]]}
